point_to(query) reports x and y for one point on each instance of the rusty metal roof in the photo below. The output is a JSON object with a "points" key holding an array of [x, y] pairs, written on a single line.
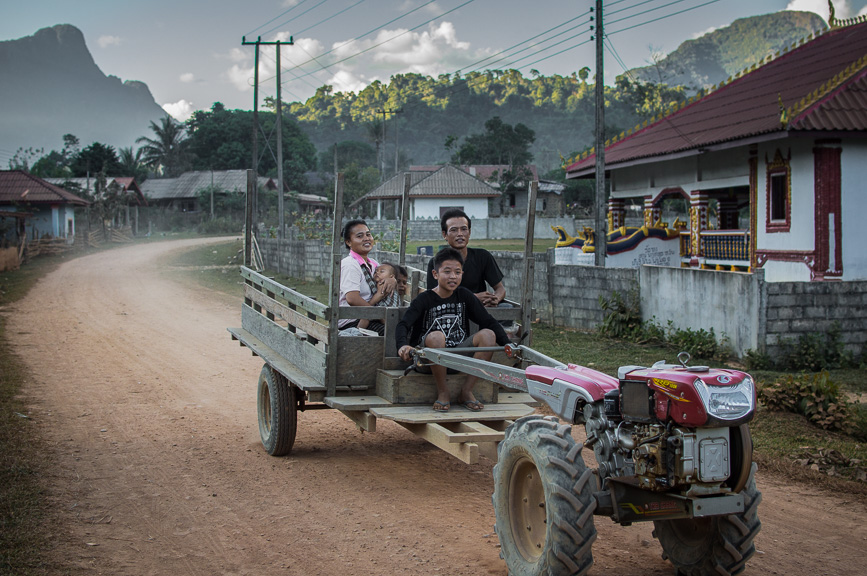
{"points": [[816, 86], [19, 187]]}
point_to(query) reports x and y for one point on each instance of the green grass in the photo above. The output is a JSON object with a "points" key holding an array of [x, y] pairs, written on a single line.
{"points": [[508, 245]]}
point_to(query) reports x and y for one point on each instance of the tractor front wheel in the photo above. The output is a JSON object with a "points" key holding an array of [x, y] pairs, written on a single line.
{"points": [[543, 500], [716, 545]]}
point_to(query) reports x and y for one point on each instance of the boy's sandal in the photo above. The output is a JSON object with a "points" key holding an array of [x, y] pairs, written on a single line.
{"points": [[473, 405], [441, 406]]}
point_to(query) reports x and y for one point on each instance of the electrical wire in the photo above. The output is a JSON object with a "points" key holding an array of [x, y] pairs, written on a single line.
{"points": [[312, 26], [368, 49], [290, 9], [661, 17], [294, 17]]}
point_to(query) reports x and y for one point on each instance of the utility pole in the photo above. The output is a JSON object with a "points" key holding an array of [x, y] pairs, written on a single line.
{"points": [[601, 200], [279, 151], [255, 143], [396, 141]]}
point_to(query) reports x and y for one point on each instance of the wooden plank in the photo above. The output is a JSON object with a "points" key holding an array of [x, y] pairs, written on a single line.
{"points": [[364, 420], [425, 414], [355, 403], [509, 397], [366, 312], [304, 355], [283, 312], [273, 359], [415, 388], [438, 436], [358, 360], [291, 296]]}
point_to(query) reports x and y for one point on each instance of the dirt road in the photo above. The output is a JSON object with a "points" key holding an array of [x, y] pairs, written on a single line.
{"points": [[149, 411]]}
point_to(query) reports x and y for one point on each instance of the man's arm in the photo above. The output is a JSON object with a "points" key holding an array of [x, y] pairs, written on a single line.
{"points": [[482, 317]]}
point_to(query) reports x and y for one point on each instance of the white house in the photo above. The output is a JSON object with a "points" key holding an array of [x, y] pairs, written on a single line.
{"points": [[778, 153], [433, 192]]}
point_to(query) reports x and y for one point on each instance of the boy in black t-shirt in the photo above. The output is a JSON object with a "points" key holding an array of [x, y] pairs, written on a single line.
{"points": [[440, 318]]}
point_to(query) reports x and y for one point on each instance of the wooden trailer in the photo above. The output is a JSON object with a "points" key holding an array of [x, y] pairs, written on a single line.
{"points": [[308, 365]]}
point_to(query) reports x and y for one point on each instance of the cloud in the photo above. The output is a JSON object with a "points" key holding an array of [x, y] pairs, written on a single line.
{"points": [[703, 32], [431, 51], [106, 41], [841, 8], [187, 77], [180, 110]]}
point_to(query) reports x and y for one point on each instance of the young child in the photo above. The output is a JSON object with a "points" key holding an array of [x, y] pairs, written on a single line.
{"points": [[402, 279], [440, 318], [382, 273]]}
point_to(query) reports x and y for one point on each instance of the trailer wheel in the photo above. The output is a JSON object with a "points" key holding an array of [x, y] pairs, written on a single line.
{"points": [[277, 409], [717, 545], [543, 500]]}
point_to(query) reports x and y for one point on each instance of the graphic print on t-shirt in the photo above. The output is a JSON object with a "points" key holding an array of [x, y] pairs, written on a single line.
{"points": [[447, 318]]}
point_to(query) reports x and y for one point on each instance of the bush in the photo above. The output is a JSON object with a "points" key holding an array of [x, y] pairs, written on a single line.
{"points": [[699, 343], [815, 351], [815, 396], [623, 318], [219, 226]]}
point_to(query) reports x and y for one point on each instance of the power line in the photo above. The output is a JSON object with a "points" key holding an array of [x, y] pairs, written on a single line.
{"points": [[529, 39], [542, 42], [295, 17], [630, 7], [290, 9], [329, 18], [661, 17], [359, 53], [365, 34]]}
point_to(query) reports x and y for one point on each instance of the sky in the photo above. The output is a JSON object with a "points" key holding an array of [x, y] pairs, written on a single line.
{"points": [[190, 52]]}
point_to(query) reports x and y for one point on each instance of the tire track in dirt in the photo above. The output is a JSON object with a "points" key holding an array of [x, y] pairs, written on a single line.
{"points": [[149, 411]]}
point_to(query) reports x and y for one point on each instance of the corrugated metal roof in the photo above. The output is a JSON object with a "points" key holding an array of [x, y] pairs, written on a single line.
{"points": [[820, 85], [482, 171], [126, 183], [188, 184], [445, 182], [18, 187]]}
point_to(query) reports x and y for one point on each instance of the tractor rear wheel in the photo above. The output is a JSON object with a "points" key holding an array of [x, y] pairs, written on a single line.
{"points": [[716, 545], [543, 500], [277, 408]]}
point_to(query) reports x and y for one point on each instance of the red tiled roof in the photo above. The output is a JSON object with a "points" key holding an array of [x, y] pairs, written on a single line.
{"points": [[821, 85], [18, 187]]}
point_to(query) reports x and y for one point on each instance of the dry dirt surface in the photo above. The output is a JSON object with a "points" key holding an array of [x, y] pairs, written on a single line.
{"points": [[148, 409]]}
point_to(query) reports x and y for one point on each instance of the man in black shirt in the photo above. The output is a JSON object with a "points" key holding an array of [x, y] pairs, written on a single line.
{"points": [[480, 269]]}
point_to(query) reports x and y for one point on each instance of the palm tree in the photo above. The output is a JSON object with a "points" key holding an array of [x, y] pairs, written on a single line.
{"points": [[131, 163], [167, 153]]}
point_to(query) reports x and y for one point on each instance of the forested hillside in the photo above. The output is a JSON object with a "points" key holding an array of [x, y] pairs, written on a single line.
{"points": [[712, 58], [560, 109]]}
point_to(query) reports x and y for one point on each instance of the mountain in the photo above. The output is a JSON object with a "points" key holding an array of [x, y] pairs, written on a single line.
{"points": [[50, 86], [712, 58]]}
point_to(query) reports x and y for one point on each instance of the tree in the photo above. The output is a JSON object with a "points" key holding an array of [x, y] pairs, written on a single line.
{"points": [[348, 151], [131, 163], [97, 157], [500, 143], [219, 139], [167, 153]]}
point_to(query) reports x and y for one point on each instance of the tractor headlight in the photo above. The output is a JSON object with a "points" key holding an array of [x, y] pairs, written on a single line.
{"points": [[727, 402]]}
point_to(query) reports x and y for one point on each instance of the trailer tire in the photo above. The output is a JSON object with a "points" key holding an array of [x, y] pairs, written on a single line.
{"points": [[543, 500], [717, 545], [277, 409]]}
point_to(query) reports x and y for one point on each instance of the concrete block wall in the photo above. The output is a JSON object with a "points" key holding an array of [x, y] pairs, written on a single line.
{"points": [[750, 313], [796, 308]]}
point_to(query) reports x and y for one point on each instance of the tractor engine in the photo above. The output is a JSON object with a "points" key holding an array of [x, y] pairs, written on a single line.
{"points": [[672, 459]]}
